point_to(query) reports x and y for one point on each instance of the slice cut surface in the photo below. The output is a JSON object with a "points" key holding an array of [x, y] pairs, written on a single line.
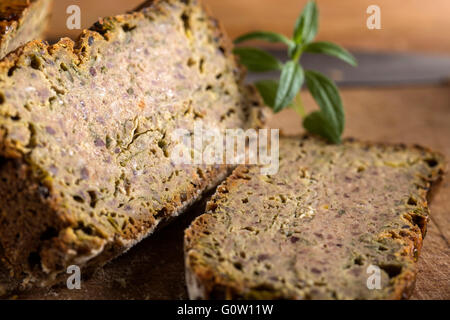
{"points": [[86, 127], [318, 229], [22, 21]]}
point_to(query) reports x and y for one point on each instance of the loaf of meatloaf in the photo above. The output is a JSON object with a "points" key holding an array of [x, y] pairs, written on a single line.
{"points": [[86, 127], [22, 21], [332, 220]]}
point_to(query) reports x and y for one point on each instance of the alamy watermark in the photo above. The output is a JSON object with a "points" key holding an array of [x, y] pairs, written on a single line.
{"points": [[212, 146], [374, 20], [74, 280], [74, 19], [374, 280]]}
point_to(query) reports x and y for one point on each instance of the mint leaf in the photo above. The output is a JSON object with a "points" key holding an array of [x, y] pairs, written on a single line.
{"points": [[327, 97], [306, 25], [291, 81], [264, 35], [331, 49], [316, 123], [329, 121], [268, 90], [257, 60]]}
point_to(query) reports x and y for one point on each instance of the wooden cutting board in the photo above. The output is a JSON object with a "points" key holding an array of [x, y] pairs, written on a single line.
{"points": [[405, 27], [154, 269]]}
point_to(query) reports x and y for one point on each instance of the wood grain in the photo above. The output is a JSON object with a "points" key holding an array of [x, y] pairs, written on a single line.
{"points": [[434, 265], [409, 25], [154, 269]]}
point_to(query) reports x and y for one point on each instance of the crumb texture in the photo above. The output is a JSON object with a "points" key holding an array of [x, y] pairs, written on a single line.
{"points": [[312, 230], [86, 134]]}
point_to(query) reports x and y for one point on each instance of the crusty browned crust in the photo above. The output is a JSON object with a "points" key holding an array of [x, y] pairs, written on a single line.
{"points": [[206, 282], [64, 226], [22, 21]]}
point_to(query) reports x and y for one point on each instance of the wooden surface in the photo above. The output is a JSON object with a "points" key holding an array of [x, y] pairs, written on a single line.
{"points": [[407, 25], [154, 269]]}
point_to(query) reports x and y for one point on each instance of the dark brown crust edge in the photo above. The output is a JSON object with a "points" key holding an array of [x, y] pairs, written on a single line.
{"points": [[204, 283]]}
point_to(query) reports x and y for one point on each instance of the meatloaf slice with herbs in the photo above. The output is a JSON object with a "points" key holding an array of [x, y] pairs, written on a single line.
{"points": [[86, 127], [333, 216], [22, 21]]}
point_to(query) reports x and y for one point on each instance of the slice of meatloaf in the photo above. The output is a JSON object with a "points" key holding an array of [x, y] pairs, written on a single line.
{"points": [[22, 21], [86, 134], [312, 230]]}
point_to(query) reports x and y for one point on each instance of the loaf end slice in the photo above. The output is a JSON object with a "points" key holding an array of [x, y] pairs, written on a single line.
{"points": [[22, 21], [333, 216], [86, 140]]}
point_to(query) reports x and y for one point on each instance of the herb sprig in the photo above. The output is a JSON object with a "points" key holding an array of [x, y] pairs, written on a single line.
{"points": [[327, 122]]}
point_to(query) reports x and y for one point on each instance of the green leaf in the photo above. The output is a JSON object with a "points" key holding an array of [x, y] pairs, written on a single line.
{"points": [[257, 60], [292, 50], [291, 81], [266, 36], [327, 122], [327, 97], [331, 49], [268, 90], [307, 24], [316, 123]]}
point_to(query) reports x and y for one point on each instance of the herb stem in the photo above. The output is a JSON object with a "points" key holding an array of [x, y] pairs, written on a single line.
{"points": [[297, 55], [297, 105]]}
